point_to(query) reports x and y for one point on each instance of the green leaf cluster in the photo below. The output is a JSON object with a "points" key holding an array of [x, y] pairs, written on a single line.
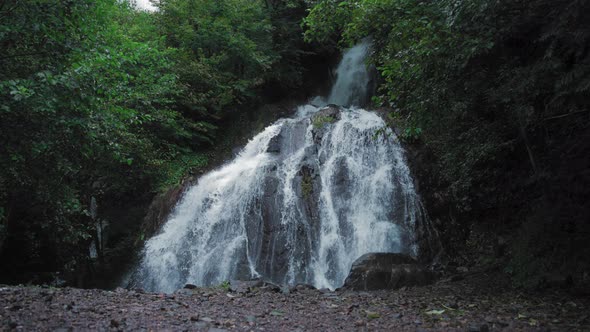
{"points": [[87, 110], [226, 50]]}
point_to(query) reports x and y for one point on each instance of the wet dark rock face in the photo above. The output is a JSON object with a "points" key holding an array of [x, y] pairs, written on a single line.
{"points": [[378, 271]]}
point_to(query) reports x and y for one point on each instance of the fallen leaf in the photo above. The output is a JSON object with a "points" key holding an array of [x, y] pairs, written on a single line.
{"points": [[372, 314], [435, 312], [276, 313], [448, 308]]}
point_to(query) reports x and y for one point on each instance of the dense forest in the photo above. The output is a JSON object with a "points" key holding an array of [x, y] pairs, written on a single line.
{"points": [[103, 106]]}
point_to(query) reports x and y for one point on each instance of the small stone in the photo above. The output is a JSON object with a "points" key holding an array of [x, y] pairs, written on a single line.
{"points": [[184, 291], [462, 269], [251, 319], [190, 286], [478, 328], [206, 319], [397, 316], [215, 329], [352, 306], [114, 323], [201, 325], [359, 323], [194, 318], [62, 329], [457, 277], [303, 287]]}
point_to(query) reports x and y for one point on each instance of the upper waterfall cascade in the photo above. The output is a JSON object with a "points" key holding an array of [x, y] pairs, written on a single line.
{"points": [[352, 78], [302, 200]]}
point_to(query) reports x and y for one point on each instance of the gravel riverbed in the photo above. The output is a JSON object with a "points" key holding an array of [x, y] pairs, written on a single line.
{"points": [[481, 302]]}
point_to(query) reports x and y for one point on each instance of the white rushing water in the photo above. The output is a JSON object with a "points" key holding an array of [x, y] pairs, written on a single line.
{"points": [[304, 199], [352, 77]]}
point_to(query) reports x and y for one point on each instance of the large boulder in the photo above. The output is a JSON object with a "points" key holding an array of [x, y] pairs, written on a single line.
{"points": [[321, 119], [377, 271], [331, 111], [274, 145]]}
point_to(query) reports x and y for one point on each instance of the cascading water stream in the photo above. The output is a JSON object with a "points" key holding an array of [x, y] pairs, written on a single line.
{"points": [[352, 78], [303, 200]]}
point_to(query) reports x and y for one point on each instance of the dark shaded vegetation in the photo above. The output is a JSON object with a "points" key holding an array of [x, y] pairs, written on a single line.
{"points": [[495, 95]]}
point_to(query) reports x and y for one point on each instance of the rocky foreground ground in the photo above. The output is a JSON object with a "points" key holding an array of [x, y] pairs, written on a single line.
{"points": [[479, 302]]}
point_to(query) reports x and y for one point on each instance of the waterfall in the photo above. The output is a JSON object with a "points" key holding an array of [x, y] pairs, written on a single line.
{"points": [[302, 200], [352, 77]]}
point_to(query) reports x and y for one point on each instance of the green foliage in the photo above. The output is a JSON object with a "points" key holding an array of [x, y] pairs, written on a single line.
{"points": [[320, 121], [83, 117], [225, 286], [306, 186], [288, 46], [327, 18], [177, 169], [227, 49]]}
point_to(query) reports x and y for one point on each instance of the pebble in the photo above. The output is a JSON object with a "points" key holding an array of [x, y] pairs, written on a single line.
{"points": [[478, 328]]}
